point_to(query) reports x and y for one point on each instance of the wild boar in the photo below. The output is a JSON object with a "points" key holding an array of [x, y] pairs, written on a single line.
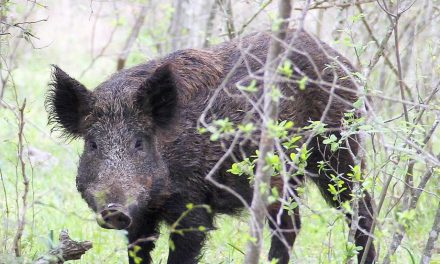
{"points": [[144, 159]]}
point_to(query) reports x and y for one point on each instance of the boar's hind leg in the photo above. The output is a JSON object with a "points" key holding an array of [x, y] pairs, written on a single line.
{"points": [[338, 164], [189, 239], [142, 236], [284, 233]]}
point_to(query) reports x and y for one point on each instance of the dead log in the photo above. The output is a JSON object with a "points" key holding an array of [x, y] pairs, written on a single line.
{"points": [[68, 249]]}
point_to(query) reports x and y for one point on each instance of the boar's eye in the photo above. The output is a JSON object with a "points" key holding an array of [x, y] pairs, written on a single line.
{"points": [[93, 145], [138, 144]]}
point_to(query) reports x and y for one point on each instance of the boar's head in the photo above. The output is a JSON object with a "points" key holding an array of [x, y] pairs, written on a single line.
{"points": [[122, 172]]}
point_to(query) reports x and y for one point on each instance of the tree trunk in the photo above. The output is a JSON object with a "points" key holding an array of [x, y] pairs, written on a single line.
{"points": [[262, 175], [188, 25]]}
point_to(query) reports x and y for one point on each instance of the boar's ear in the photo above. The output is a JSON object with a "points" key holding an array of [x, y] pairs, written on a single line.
{"points": [[68, 103], [157, 96]]}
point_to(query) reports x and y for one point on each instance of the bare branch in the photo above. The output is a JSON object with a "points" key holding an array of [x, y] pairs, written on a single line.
{"points": [[21, 158], [226, 6], [319, 4], [249, 21], [433, 236], [131, 38]]}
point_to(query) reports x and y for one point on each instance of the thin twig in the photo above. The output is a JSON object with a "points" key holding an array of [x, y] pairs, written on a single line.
{"points": [[318, 4], [6, 228], [21, 158], [103, 49], [247, 23]]}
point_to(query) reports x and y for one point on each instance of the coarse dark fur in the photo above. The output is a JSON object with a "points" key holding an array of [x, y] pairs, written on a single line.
{"points": [[143, 150]]}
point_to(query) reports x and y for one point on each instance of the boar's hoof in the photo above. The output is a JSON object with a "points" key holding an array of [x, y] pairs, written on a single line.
{"points": [[113, 217]]}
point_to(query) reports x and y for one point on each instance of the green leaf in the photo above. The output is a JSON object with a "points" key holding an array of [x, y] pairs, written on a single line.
{"points": [[334, 146], [133, 254], [246, 167], [303, 82], [251, 88], [332, 189], [330, 139], [356, 173], [235, 169], [274, 161], [202, 130], [356, 18], [316, 126], [273, 197], [171, 245], [291, 143], [358, 103], [290, 205], [214, 137], [286, 69], [411, 255], [275, 94], [247, 128]]}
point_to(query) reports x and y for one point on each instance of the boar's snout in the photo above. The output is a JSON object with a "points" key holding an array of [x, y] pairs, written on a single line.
{"points": [[113, 216]]}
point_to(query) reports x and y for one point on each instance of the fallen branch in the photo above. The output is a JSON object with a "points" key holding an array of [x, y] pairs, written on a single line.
{"points": [[67, 250]]}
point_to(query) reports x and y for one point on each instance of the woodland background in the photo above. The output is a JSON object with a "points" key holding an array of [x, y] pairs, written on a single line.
{"points": [[92, 39]]}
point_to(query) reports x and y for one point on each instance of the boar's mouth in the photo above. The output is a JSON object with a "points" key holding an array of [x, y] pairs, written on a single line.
{"points": [[114, 216]]}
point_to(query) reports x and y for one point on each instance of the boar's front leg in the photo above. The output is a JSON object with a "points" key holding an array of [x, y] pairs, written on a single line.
{"points": [[188, 237], [141, 237]]}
